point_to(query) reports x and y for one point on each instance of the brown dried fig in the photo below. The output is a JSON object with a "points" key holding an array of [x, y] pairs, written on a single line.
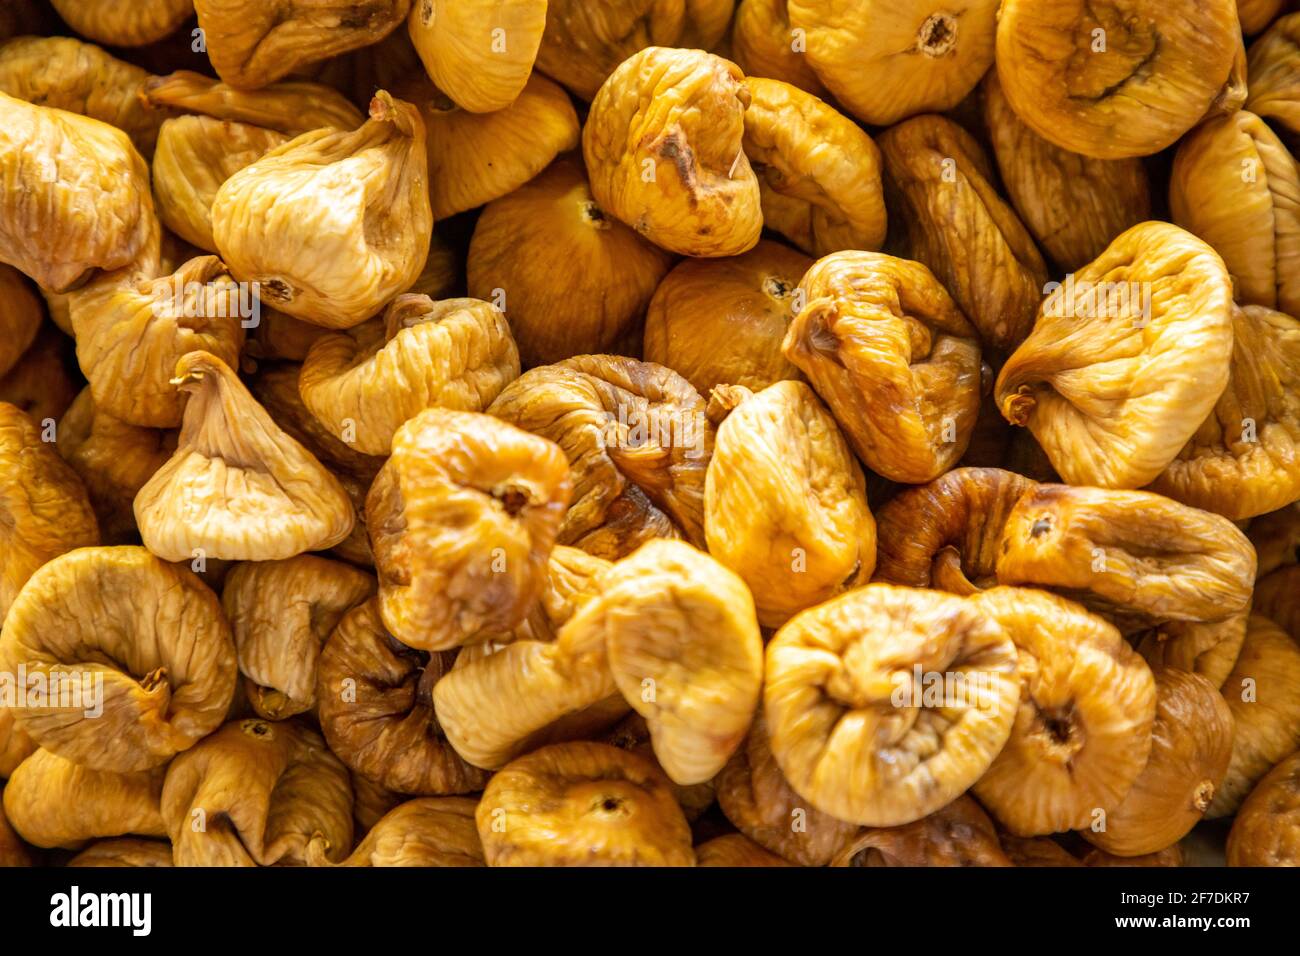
{"points": [[960, 834], [1274, 68], [1208, 649], [1276, 537], [1277, 597], [124, 852], [13, 852], [1267, 829], [735, 850], [21, 316], [430, 831], [1036, 851], [45, 380]]}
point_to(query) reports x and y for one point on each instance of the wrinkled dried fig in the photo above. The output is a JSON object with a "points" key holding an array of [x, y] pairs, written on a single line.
{"points": [[13, 852], [893, 357], [370, 802], [366, 383], [582, 804], [15, 745], [1267, 829], [290, 108], [21, 316], [1277, 597], [145, 654], [1276, 537], [263, 792], [1274, 68], [572, 279], [633, 733], [124, 24], [663, 146], [430, 831], [785, 503], [960, 834], [1172, 856], [42, 384], [332, 224], [125, 852], [1126, 361], [237, 488], [763, 44], [735, 850], [1036, 851], [1208, 649], [886, 703]]}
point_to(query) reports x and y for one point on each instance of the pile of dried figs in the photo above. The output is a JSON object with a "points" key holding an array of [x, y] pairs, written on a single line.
{"points": [[650, 432]]}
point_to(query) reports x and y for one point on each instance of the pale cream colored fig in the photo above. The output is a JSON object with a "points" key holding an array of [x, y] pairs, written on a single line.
{"points": [[147, 662], [366, 383], [429, 831], [281, 613], [237, 488], [332, 224], [290, 108]]}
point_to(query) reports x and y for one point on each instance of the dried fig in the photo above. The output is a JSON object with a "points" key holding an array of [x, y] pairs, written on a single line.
{"points": [[42, 383], [1073, 205], [1235, 185], [77, 196], [1130, 551], [1255, 15], [1274, 68], [124, 852], [1267, 829], [364, 384], [431, 831], [15, 745], [958, 516], [1126, 361], [370, 802], [290, 108], [722, 321], [44, 510], [663, 146], [940, 187], [280, 613], [572, 279], [1036, 851], [819, 174], [1191, 743], [1117, 80], [633, 733], [960, 834], [893, 357], [253, 43], [763, 43], [1208, 649], [735, 850], [479, 52], [13, 852], [461, 519], [582, 804], [1172, 856], [886, 703], [475, 158], [637, 441], [237, 488], [257, 794], [1276, 537], [785, 503], [1082, 733], [124, 24], [143, 654], [1277, 597], [758, 800], [21, 316], [53, 802], [332, 224]]}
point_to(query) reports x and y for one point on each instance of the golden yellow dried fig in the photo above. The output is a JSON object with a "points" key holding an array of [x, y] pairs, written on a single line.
{"points": [[1244, 460], [364, 384], [633, 733], [960, 834], [1277, 597], [958, 516], [290, 108], [1126, 360], [76, 195], [572, 578], [237, 488], [893, 357], [1118, 80], [461, 519], [44, 509], [370, 802], [21, 317], [143, 656], [763, 43], [1082, 731], [1036, 851], [1236, 186], [1191, 743], [886, 703], [53, 802], [475, 158], [195, 156], [15, 745], [722, 321], [1128, 551], [13, 852], [582, 804], [68, 74], [332, 224], [124, 852], [735, 849], [940, 186], [257, 793], [42, 383], [757, 799], [376, 709], [1276, 537], [888, 61], [785, 502], [430, 831], [818, 172], [1274, 67], [1207, 649], [253, 43], [1073, 205], [113, 460], [479, 52], [1263, 693], [137, 331], [571, 279], [124, 24], [1255, 15], [664, 149], [636, 438], [1267, 829], [281, 613]]}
